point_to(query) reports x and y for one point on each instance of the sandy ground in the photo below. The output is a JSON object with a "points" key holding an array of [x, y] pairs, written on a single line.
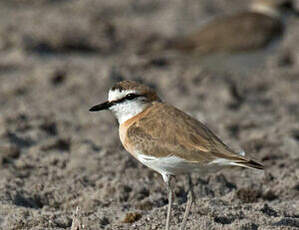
{"points": [[61, 164]]}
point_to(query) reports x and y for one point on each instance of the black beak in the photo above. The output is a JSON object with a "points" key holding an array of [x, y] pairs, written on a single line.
{"points": [[99, 107]]}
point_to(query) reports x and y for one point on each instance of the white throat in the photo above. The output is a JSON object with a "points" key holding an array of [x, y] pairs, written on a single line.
{"points": [[264, 9], [127, 109]]}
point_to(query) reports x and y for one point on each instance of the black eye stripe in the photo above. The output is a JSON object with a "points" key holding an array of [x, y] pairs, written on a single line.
{"points": [[130, 96]]}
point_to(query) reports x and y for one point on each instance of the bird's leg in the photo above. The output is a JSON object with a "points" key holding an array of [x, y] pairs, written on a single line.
{"points": [[167, 179], [189, 202]]}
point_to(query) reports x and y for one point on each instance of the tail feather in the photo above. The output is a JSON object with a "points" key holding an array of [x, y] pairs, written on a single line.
{"points": [[249, 164], [238, 161]]}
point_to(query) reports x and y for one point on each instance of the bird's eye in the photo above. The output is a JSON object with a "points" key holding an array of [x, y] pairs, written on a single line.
{"points": [[131, 96]]}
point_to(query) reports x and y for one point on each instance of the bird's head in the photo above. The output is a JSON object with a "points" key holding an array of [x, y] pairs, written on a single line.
{"points": [[126, 99]]}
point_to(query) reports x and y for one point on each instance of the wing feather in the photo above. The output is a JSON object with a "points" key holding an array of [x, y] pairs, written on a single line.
{"points": [[167, 131]]}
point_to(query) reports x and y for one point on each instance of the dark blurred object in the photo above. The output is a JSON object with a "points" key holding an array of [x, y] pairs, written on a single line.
{"points": [[8, 153], [58, 77], [238, 43], [244, 31], [78, 35]]}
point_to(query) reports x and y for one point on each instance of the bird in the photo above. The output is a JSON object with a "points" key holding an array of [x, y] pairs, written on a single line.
{"points": [[238, 43], [243, 31], [166, 139]]}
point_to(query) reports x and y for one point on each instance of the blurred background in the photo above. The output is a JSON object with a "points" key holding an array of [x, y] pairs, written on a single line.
{"points": [[60, 57]]}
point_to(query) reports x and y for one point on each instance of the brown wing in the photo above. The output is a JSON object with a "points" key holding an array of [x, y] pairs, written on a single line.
{"points": [[240, 32], [166, 131]]}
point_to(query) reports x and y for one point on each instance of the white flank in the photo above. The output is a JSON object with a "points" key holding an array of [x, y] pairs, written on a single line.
{"points": [[173, 165], [223, 162]]}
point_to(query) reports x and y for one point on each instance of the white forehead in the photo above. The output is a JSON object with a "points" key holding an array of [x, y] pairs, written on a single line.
{"points": [[117, 94]]}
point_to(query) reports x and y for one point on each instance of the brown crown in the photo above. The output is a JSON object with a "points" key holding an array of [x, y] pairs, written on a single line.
{"points": [[140, 88]]}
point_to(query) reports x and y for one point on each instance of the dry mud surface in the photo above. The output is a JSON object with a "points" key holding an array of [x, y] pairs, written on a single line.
{"points": [[61, 164]]}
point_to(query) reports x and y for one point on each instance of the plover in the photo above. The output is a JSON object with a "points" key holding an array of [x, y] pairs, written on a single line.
{"points": [[166, 139], [244, 31]]}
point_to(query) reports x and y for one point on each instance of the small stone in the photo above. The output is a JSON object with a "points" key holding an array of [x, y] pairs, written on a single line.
{"points": [[49, 127], [58, 77], [269, 211], [145, 206], [131, 217], [247, 195], [292, 222], [59, 144], [104, 221], [8, 153], [269, 195], [223, 220], [249, 226]]}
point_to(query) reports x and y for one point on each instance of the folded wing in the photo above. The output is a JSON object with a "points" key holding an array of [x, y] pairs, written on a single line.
{"points": [[167, 131]]}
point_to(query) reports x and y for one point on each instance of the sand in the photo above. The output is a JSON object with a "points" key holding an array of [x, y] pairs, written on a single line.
{"points": [[62, 165]]}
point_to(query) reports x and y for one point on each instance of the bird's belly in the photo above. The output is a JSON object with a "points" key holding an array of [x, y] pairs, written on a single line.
{"points": [[174, 165]]}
